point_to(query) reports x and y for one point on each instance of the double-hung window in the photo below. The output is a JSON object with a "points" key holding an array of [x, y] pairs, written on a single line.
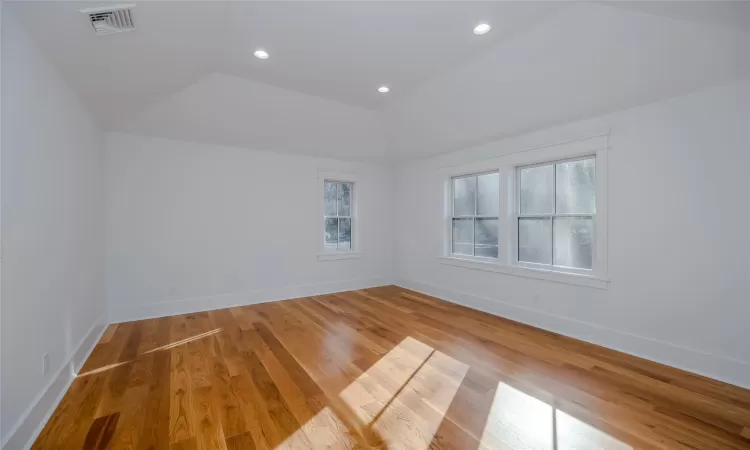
{"points": [[556, 213], [474, 221], [337, 215]]}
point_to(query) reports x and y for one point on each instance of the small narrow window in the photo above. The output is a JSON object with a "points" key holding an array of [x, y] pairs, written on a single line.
{"points": [[337, 215], [556, 213], [474, 219]]}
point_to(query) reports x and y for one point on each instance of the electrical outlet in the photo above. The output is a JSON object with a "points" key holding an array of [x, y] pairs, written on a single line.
{"points": [[535, 300], [45, 363]]}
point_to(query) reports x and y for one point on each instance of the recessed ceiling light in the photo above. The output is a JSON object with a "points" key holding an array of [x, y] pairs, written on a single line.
{"points": [[482, 28], [383, 89], [261, 54]]}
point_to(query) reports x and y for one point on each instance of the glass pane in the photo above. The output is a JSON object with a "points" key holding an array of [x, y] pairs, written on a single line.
{"points": [[485, 237], [329, 195], [488, 194], [345, 234], [345, 191], [331, 233], [535, 240], [463, 238], [463, 196], [536, 190], [575, 187], [573, 238]]}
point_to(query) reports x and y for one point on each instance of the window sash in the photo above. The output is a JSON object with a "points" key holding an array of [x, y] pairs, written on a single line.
{"points": [[476, 192], [351, 196], [473, 243], [554, 187], [551, 216], [473, 217]]}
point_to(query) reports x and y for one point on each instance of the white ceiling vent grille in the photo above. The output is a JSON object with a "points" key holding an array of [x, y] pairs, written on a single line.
{"points": [[110, 19]]}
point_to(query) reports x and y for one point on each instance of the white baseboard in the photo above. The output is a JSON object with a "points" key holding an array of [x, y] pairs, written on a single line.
{"points": [[125, 313], [713, 366], [28, 427]]}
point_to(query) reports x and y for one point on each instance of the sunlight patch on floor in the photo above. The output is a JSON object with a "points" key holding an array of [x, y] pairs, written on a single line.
{"points": [[158, 349], [402, 399], [404, 396], [377, 386], [184, 341], [101, 369], [518, 420], [412, 418], [399, 402], [573, 434]]}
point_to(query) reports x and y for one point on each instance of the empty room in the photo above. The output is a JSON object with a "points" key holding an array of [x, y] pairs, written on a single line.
{"points": [[374, 225]]}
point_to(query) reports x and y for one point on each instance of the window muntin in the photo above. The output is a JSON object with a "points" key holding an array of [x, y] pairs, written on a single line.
{"points": [[556, 213], [337, 215], [475, 202]]}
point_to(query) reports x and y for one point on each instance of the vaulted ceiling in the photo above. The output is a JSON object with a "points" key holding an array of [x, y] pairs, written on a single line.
{"points": [[188, 70], [338, 50]]}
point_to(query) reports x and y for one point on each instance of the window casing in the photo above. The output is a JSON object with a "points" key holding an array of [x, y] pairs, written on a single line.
{"points": [[337, 218], [563, 240], [338, 215]]}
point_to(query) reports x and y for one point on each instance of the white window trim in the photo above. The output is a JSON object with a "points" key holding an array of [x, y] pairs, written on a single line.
{"points": [[326, 254], [507, 261]]}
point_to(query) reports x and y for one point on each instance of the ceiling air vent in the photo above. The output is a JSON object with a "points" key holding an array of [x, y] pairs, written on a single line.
{"points": [[110, 19]]}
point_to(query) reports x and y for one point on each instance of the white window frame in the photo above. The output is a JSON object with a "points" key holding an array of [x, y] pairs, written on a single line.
{"points": [[474, 217], [551, 216], [324, 253], [508, 167]]}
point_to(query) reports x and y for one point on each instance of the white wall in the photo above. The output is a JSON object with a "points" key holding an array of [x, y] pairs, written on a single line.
{"points": [[52, 225], [678, 239], [193, 227]]}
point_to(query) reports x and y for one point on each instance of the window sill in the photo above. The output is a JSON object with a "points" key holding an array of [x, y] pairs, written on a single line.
{"points": [[527, 272], [337, 256]]}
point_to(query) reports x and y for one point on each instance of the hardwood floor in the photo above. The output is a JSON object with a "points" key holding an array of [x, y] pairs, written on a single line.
{"points": [[380, 368]]}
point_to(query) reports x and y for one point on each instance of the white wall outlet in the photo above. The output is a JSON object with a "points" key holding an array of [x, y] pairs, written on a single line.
{"points": [[45, 363]]}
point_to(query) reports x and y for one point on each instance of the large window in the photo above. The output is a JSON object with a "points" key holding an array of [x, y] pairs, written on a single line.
{"points": [[556, 213], [534, 212], [474, 221], [337, 215]]}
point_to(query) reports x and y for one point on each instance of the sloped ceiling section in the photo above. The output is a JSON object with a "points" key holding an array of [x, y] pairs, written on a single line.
{"points": [[587, 61], [173, 46], [228, 110], [187, 71], [733, 14], [338, 50]]}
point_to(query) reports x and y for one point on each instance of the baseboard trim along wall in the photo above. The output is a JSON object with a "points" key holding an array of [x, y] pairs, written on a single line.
{"points": [[714, 366], [28, 427], [126, 313]]}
